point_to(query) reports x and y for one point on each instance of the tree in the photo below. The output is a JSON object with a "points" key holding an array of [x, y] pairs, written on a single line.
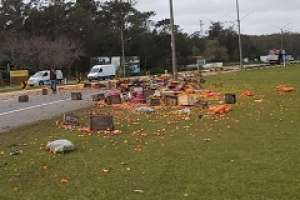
{"points": [[215, 53], [39, 53], [12, 15]]}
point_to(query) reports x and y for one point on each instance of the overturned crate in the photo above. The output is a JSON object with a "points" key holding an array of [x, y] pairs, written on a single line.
{"points": [[44, 91], [87, 85], [187, 99], [154, 101], [101, 122], [230, 98], [113, 98], [98, 86], [170, 100], [98, 97], [71, 119], [148, 93], [23, 98], [76, 96]]}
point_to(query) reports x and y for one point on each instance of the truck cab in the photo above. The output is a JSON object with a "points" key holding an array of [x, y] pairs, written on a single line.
{"points": [[102, 72], [43, 78]]}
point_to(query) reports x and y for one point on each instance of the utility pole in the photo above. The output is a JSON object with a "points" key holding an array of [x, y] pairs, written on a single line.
{"points": [[239, 34], [173, 42], [283, 52], [281, 40], [201, 28], [123, 61]]}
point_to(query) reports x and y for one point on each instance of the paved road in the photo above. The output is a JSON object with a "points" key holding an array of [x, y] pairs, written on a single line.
{"points": [[14, 114]]}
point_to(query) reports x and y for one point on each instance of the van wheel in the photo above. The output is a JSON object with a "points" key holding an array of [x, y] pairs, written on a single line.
{"points": [[111, 77], [41, 83]]}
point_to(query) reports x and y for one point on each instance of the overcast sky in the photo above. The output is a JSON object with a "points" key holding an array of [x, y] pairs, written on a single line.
{"points": [[258, 16]]}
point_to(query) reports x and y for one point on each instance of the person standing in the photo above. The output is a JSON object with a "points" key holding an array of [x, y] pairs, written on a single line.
{"points": [[53, 80]]}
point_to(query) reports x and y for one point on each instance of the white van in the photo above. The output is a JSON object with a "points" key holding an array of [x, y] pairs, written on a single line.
{"points": [[43, 78], [101, 72]]}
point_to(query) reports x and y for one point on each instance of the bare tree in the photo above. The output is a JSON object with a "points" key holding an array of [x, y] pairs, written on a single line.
{"points": [[40, 53]]}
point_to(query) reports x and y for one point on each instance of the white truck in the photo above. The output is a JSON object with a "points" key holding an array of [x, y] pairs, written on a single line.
{"points": [[277, 56], [43, 78], [102, 72]]}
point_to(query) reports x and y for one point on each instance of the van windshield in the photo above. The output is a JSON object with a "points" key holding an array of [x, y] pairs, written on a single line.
{"points": [[38, 74], [96, 70]]}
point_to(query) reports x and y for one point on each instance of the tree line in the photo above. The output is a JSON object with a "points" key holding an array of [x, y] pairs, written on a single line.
{"points": [[66, 34]]}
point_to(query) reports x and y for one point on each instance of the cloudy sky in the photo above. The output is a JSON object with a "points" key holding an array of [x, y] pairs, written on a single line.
{"points": [[258, 16]]}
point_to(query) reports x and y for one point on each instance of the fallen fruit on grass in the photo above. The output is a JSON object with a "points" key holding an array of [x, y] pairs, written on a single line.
{"points": [[220, 109], [64, 180], [15, 152], [285, 88], [247, 93], [258, 101], [138, 191]]}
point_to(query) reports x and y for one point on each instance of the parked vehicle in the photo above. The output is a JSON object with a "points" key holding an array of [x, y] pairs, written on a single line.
{"points": [[277, 56], [102, 72], [43, 78]]}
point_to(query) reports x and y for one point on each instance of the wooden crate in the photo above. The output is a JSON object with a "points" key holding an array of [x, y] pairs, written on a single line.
{"points": [[230, 98], [76, 96], [23, 98], [187, 99], [98, 97], [87, 85], [98, 86], [101, 123], [171, 100], [148, 93], [154, 101], [71, 119], [44, 91], [113, 99]]}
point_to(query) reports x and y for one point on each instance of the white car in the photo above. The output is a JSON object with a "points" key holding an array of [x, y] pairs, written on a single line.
{"points": [[43, 78], [101, 72]]}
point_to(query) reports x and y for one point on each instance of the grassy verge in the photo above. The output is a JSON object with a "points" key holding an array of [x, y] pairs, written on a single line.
{"points": [[15, 89], [10, 89], [251, 153]]}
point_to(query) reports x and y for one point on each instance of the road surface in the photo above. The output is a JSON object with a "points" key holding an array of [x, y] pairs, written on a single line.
{"points": [[14, 114]]}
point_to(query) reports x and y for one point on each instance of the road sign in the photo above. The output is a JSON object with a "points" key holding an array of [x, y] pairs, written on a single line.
{"points": [[18, 76], [19, 73]]}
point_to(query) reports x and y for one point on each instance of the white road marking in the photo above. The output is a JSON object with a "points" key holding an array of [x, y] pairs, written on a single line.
{"points": [[4, 100], [31, 107]]}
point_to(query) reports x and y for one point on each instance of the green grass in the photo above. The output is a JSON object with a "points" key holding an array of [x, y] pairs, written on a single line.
{"points": [[250, 154]]}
